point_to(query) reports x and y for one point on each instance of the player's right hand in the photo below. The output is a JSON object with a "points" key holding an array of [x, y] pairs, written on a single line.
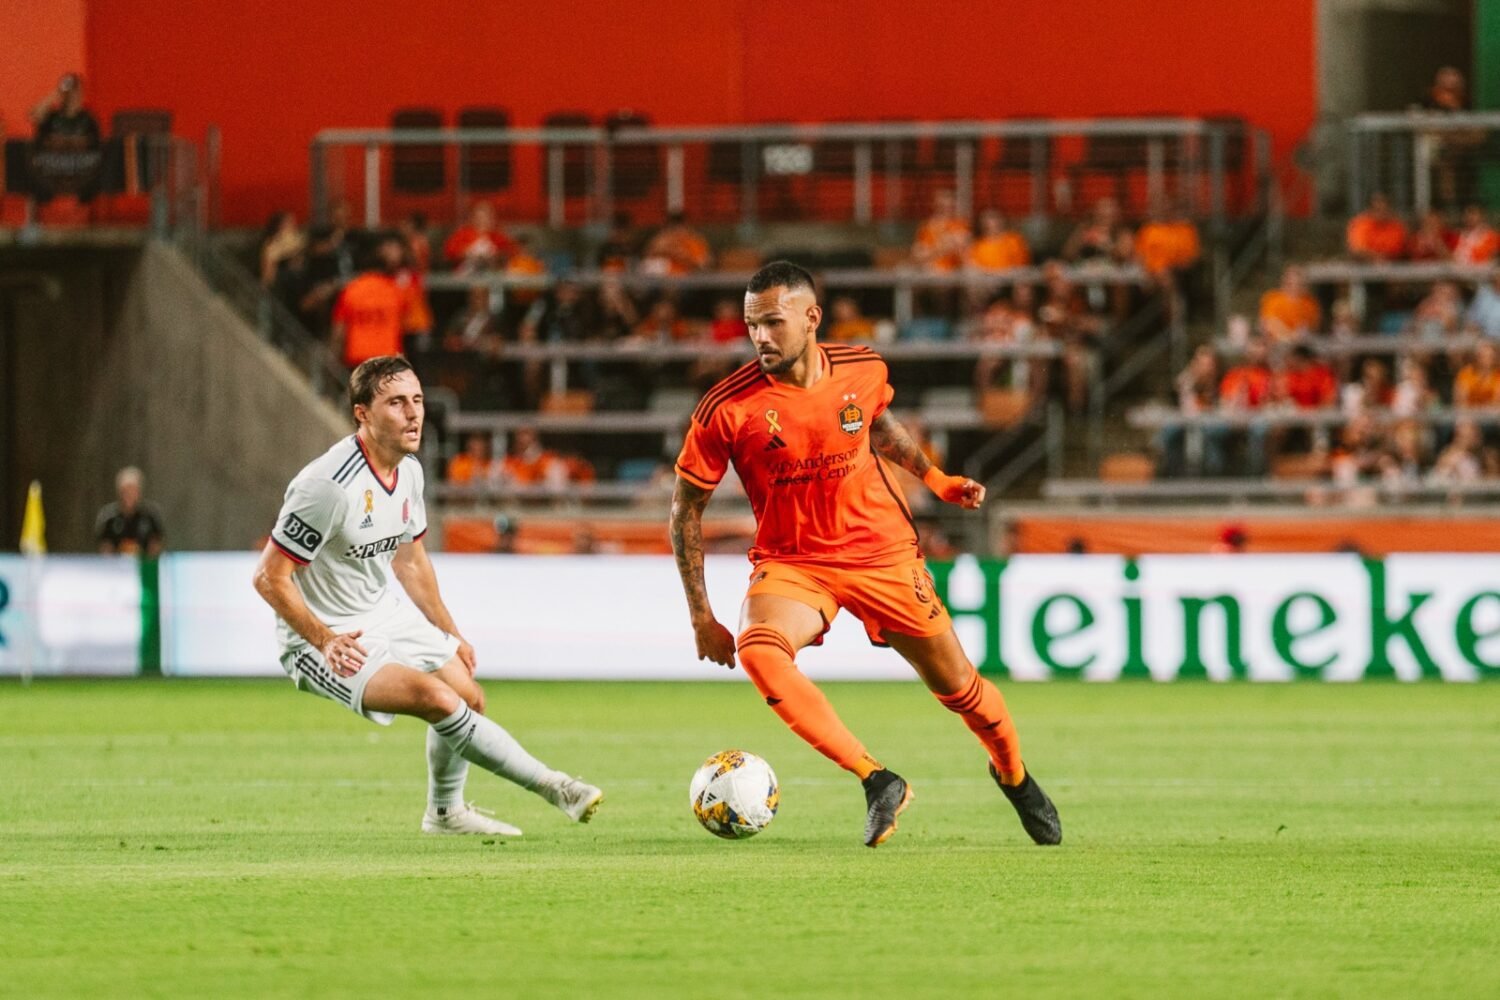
{"points": [[715, 642], [343, 654]]}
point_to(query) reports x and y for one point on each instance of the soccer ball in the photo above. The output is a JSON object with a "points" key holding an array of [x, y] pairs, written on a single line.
{"points": [[734, 794]]}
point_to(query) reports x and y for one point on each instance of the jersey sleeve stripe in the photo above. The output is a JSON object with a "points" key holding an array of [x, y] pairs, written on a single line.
{"points": [[724, 390], [697, 481], [419, 536], [708, 411], [294, 557]]}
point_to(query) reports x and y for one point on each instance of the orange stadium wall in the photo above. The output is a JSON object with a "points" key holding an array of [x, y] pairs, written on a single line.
{"points": [[271, 74], [40, 40]]}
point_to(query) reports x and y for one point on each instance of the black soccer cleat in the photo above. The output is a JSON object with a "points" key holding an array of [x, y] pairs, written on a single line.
{"points": [[1038, 814], [886, 796]]}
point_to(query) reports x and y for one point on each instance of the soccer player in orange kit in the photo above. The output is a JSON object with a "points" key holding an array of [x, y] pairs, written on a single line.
{"points": [[806, 428]]}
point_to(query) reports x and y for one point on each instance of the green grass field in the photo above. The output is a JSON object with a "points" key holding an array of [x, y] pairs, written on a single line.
{"points": [[237, 838]]}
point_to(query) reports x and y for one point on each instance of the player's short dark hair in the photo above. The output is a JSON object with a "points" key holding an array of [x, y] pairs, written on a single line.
{"points": [[366, 380], [781, 274]]}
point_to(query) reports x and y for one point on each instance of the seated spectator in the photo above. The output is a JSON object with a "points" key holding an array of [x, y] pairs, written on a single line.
{"points": [[998, 248], [1440, 313], [1101, 237], [129, 526], [1477, 241], [1373, 391], [1009, 320], [369, 319], [1413, 395], [1168, 244], [523, 264], [1245, 389], [1465, 460], [66, 155], [1432, 240], [1196, 386], [1484, 311], [1478, 382], [476, 463], [529, 464], [1306, 382], [1289, 311], [475, 329], [942, 241], [1360, 453], [282, 240], [1405, 462], [413, 232], [416, 321], [480, 244], [618, 252], [1376, 234], [728, 325], [1447, 93], [563, 315], [1067, 319], [848, 323], [676, 249], [618, 313], [662, 325]]}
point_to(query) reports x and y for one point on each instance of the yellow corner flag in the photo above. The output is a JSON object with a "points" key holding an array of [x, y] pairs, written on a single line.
{"points": [[34, 523]]}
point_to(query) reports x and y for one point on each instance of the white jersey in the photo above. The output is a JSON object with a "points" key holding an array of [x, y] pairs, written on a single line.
{"points": [[341, 524]]}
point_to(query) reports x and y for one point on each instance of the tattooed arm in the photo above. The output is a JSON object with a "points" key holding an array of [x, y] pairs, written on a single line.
{"points": [[714, 640], [894, 443]]}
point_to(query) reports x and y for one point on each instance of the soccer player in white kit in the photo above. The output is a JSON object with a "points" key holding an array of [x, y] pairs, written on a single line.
{"points": [[351, 518]]}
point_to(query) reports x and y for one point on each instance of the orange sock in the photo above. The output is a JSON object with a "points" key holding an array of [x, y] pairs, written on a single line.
{"points": [[769, 662], [983, 710]]}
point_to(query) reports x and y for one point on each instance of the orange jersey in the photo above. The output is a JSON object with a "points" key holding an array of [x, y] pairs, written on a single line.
{"points": [[819, 494]]}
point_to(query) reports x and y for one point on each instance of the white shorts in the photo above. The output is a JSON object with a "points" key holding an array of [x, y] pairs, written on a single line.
{"points": [[405, 638]]}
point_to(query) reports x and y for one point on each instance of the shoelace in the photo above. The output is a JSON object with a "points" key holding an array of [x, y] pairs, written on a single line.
{"points": [[480, 810]]}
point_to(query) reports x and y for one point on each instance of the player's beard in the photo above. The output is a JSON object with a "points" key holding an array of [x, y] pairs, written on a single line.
{"points": [[781, 363]]}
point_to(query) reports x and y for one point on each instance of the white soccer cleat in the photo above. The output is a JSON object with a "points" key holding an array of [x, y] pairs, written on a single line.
{"points": [[577, 798], [467, 818]]}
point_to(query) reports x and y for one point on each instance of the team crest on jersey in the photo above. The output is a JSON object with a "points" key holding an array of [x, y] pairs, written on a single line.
{"points": [[921, 585], [773, 427], [851, 419]]}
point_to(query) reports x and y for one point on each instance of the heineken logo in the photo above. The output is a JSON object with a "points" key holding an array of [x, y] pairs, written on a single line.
{"points": [[1330, 617]]}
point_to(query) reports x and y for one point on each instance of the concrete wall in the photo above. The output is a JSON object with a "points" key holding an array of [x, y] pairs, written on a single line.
{"points": [[136, 362], [1380, 55]]}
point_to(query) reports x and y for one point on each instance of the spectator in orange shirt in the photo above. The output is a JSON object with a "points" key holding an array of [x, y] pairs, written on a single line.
{"points": [[523, 264], [942, 241], [1168, 244], [1478, 382], [1376, 234], [998, 247], [677, 249], [1306, 382], [475, 464], [529, 464], [1245, 388], [1432, 239], [1289, 311], [369, 319], [728, 326], [481, 244], [848, 323], [662, 325], [1477, 241]]}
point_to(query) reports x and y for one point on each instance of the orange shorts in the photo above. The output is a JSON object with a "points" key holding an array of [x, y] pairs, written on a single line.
{"points": [[899, 598]]}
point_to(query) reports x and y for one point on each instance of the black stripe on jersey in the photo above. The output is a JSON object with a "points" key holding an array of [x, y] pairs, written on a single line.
{"points": [[318, 679], [746, 378], [896, 496], [737, 377], [351, 460], [307, 661], [351, 469]]}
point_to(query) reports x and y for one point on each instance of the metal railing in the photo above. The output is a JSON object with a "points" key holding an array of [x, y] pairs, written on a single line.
{"points": [[860, 173], [1158, 415], [1423, 159], [1268, 491]]}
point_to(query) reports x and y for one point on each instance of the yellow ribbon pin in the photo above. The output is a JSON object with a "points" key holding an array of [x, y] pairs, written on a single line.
{"points": [[773, 419]]}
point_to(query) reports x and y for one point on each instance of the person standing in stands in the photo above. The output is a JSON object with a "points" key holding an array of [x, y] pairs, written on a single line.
{"points": [[129, 525], [66, 154], [369, 319]]}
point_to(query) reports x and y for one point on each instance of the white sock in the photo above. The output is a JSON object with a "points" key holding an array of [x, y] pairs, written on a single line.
{"points": [[482, 741], [446, 772]]}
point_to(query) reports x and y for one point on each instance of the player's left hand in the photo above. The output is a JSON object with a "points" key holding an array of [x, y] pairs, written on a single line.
{"points": [[466, 656], [960, 490]]}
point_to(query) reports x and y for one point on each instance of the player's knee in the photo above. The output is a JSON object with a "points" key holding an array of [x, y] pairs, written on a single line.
{"points": [[475, 697], [435, 700], [766, 656]]}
